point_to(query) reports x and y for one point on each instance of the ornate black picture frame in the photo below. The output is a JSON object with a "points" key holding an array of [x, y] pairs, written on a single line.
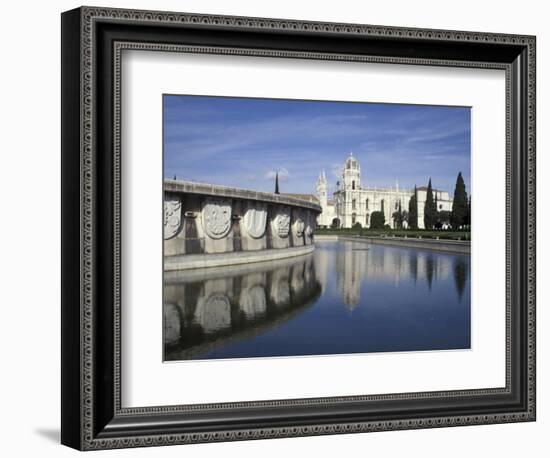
{"points": [[92, 42]]}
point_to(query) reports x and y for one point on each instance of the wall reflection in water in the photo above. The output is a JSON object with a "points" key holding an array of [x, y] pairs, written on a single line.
{"points": [[210, 308], [346, 297]]}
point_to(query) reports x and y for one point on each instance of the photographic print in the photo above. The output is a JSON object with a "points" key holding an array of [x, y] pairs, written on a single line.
{"points": [[302, 227]]}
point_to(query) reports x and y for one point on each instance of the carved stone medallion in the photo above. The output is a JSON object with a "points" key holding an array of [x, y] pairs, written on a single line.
{"points": [[299, 227], [255, 220], [216, 216], [172, 217], [282, 224]]}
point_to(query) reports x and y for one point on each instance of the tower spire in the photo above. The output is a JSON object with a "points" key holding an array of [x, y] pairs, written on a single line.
{"points": [[277, 183]]}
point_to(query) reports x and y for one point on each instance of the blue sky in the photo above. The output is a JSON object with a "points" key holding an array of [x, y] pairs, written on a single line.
{"points": [[242, 142]]}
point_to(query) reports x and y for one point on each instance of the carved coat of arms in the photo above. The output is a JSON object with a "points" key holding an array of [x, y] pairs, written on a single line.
{"points": [[299, 227], [217, 218], [172, 218], [255, 221], [282, 224]]}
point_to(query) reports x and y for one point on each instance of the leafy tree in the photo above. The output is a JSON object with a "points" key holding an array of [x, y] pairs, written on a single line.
{"points": [[459, 214], [437, 222], [430, 210], [405, 218], [413, 211], [444, 217], [357, 225], [377, 220], [398, 217]]}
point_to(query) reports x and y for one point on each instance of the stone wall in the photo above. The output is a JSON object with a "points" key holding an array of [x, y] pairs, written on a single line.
{"points": [[450, 246], [209, 219]]}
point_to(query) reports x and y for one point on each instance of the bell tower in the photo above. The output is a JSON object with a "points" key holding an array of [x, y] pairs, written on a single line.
{"points": [[322, 189], [322, 194], [352, 174]]}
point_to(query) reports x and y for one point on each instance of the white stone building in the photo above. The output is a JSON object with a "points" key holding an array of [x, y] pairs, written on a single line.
{"points": [[354, 203]]}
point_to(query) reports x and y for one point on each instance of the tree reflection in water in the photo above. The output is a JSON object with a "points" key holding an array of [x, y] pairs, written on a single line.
{"points": [[460, 273], [346, 297]]}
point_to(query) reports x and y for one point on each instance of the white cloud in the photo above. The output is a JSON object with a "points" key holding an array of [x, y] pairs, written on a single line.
{"points": [[337, 170], [283, 174]]}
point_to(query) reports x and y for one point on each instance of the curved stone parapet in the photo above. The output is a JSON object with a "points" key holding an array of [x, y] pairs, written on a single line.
{"points": [[207, 224]]}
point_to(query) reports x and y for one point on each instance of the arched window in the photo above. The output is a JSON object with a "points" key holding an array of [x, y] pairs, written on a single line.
{"points": [[353, 184], [353, 204], [367, 204]]}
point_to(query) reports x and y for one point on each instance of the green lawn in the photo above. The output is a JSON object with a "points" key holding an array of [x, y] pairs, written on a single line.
{"points": [[442, 234]]}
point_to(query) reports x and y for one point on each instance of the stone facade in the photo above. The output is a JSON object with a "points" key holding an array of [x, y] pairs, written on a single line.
{"points": [[354, 203]]}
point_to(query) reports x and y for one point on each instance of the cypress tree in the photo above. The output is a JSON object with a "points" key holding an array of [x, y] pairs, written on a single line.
{"points": [[277, 183], [430, 211], [400, 217], [459, 213], [413, 210]]}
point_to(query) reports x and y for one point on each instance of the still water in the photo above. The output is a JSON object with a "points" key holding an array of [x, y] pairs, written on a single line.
{"points": [[345, 297]]}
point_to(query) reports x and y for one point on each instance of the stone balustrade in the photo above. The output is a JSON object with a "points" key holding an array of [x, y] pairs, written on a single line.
{"points": [[209, 225]]}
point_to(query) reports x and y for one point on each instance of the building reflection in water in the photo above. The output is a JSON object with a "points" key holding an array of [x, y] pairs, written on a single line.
{"points": [[358, 262], [209, 309]]}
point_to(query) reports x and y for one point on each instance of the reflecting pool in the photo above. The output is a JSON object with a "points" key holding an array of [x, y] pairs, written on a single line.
{"points": [[345, 297]]}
